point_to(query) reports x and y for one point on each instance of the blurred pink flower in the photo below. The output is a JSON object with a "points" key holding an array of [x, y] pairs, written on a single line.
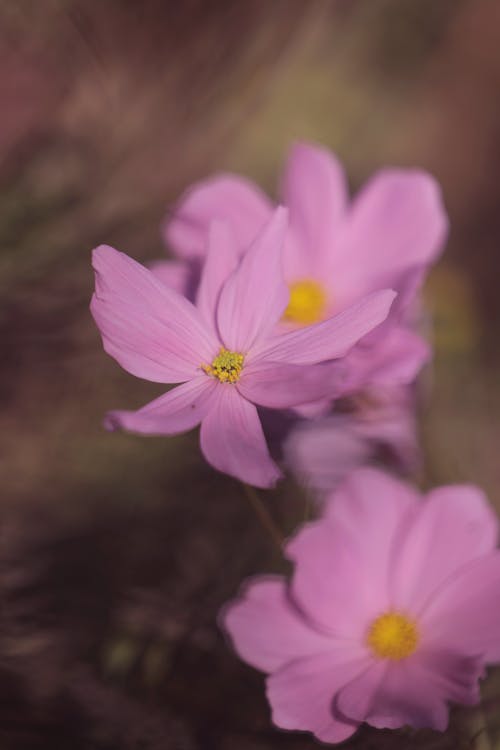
{"points": [[392, 610], [335, 252], [378, 425], [224, 349]]}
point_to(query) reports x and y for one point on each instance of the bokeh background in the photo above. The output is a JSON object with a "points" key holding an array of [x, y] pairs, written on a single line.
{"points": [[116, 552]]}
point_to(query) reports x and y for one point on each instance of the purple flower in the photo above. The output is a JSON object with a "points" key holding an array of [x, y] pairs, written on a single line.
{"points": [[336, 252], [392, 612], [223, 350]]}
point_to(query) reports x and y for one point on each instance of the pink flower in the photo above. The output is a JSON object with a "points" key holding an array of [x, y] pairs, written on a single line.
{"points": [[336, 252], [222, 350], [393, 610], [379, 424]]}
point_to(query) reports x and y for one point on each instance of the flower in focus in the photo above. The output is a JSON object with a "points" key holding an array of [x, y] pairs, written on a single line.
{"points": [[335, 253], [391, 613], [378, 424], [223, 350]]}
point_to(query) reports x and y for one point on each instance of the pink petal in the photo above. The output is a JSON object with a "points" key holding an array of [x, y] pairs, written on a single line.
{"points": [[393, 430], [316, 409], [403, 313], [222, 258], [413, 691], [176, 274], [396, 359], [408, 284], [152, 331], [454, 673], [254, 297], [351, 549], [427, 556], [181, 409], [397, 221], [355, 699], [302, 693], [322, 453], [280, 386], [266, 628], [464, 614], [232, 439], [315, 192], [226, 198], [330, 339]]}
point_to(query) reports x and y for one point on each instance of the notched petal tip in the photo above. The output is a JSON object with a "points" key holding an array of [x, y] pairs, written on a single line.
{"points": [[388, 295], [100, 252]]}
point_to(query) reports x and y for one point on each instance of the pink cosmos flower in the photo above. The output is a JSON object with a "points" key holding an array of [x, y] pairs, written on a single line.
{"points": [[336, 251], [379, 424], [392, 612], [222, 350]]}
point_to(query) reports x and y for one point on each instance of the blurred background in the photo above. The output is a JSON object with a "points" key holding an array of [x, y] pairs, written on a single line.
{"points": [[116, 552]]}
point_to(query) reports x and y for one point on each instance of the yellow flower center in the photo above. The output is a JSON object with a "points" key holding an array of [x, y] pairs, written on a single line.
{"points": [[226, 366], [307, 304], [392, 636]]}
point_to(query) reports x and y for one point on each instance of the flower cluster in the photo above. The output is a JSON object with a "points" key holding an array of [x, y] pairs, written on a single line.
{"points": [[225, 349], [312, 308], [385, 619]]}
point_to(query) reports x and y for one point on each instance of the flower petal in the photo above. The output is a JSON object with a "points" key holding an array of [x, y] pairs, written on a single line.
{"points": [[266, 628], [314, 190], [396, 221], [355, 699], [176, 274], [222, 258], [232, 439], [330, 339], [356, 536], [395, 359], [254, 297], [428, 556], [413, 691], [179, 410], [322, 453], [465, 612], [226, 198], [302, 693], [280, 386], [152, 331]]}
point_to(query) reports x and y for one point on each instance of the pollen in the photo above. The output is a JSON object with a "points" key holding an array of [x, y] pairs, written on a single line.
{"points": [[226, 366], [307, 304], [392, 636]]}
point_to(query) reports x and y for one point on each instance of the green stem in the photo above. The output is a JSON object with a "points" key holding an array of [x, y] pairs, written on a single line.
{"points": [[264, 517]]}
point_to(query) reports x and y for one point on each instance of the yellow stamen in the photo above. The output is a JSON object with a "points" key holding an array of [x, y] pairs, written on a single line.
{"points": [[307, 304], [226, 366], [392, 636]]}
